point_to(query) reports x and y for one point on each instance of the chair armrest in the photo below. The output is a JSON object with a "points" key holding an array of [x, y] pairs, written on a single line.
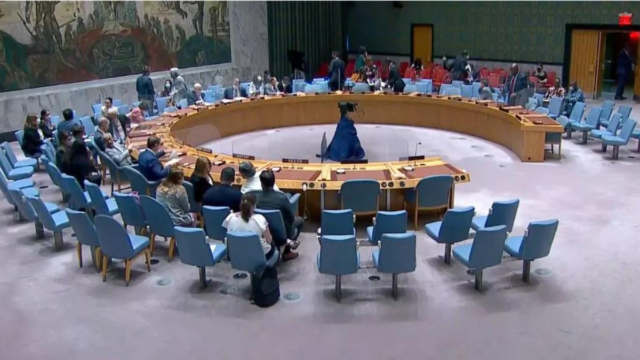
{"points": [[354, 218], [294, 200], [526, 233], [490, 211], [374, 221]]}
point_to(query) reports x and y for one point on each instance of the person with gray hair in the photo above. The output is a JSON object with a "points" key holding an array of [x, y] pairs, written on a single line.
{"points": [[101, 133], [118, 153], [180, 90], [251, 177], [196, 97], [485, 91]]}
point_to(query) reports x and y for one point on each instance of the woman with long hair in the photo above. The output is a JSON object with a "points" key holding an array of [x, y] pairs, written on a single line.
{"points": [[65, 140], [45, 126], [172, 194], [167, 89], [201, 179], [78, 161], [32, 139], [248, 221]]}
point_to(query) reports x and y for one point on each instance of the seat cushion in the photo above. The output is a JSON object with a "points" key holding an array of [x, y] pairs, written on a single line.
{"points": [[478, 222], [20, 173], [582, 127], [433, 230], [376, 257], [51, 207], [21, 184], [597, 134], [612, 140], [636, 134], [60, 220], [29, 162], [218, 251], [462, 253], [512, 246], [138, 243]]}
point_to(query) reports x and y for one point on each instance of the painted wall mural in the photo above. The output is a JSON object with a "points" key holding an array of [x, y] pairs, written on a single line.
{"points": [[44, 43]]}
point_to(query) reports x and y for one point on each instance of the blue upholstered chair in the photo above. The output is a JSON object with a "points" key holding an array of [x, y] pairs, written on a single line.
{"points": [[298, 85], [208, 96], [612, 127], [6, 185], [195, 251], [475, 89], [86, 234], [19, 136], [89, 127], [607, 109], [276, 224], [218, 91], [484, 252], [431, 193], [387, 222], [361, 196], [338, 256], [534, 244], [575, 116], [453, 228], [139, 183], [591, 123], [467, 91], [13, 160], [117, 102], [425, 86], [131, 212], [78, 199], [444, 88], [213, 218], [621, 139], [539, 98], [245, 86], [123, 109], [336, 222], [26, 212], [452, 91], [49, 151], [117, 175], [96, 108], [117, 243], [314, 89], [56, 178], [55, 222], [396, 255], [360, 88], [183, 104], [542, 110], [161, 103], [11, 173], [55, 120], [555, 107], [99, 204], [194, 206], [160, 223], [457, 83], [410, 89], [532, 104], [246, 253], [170, 110], [625, 111], [501, 213]]}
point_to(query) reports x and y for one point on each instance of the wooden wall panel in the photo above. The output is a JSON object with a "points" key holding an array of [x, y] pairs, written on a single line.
{"points": [[584, 59]]}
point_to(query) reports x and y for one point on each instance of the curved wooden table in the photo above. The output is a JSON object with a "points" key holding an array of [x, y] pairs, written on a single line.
{"points": [[189, 128]]}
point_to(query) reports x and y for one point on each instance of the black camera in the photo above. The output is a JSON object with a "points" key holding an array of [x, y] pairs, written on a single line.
{"points": [[347, 107]]}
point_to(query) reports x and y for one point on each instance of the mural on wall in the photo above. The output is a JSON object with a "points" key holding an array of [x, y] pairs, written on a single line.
{"points": [[44, 43]]}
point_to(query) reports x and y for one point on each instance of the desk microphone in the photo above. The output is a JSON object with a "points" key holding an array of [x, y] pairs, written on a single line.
{"points": [[415, 154]]}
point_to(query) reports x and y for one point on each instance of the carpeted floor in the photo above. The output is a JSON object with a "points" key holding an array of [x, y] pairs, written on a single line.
{"points": [[581, 304]]}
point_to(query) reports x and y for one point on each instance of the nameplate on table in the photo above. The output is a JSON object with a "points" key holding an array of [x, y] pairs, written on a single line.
{"points": [[295, 161], [208, 151], [361, 161], [243, 156], [412, 158]]}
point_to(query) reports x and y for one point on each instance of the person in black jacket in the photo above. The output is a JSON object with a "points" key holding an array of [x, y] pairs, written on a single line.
{"points": [[46, 126], [285, 86], [200, 179], [224, 194], [395, 80], [78, 161], [459, 67], [64, 144], [144, 86], [336, 72], [32, 140]]}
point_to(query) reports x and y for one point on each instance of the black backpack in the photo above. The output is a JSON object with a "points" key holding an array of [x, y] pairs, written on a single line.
{"points": [[265, 287]]}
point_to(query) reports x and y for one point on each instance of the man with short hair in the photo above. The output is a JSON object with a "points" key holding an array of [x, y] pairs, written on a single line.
{"points": [[515, 87], [235, 90], [285, 86], [336, 72], [271, 88], [271, 199], [144, 85], [224, 194], [195, 96], [149, 163], [251, 177], [67, 124], [101, 132], [485, 91]]}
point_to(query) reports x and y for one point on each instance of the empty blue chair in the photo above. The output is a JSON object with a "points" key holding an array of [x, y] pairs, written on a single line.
{"points": [[117, 243], [542, 110], [208, 96], [131, 212], [361, 196], [539, 98], [89, 127], [535, 244], [555, 107], [591, 123], [19, 136], [13, 160], [457, 83], [213, 218], [607, 109], [170, 109], [625, 111], [453, 228], [452, 91], [484, 252], [183, 104], [360, 88], [387, 222], [117, 102], [612, 127], [97, 108], [117, 175], [431, 193], [396, 255], [195, 251], [425, 86], [621, 139], [336, 222], [217, 91], [26, 212], [245, 86], [338, 256], [139, 183], [575, 116], [161, 103], [54, 222], [56, 178], [10, 172], [86, 234], [298, 85], [6, 185], [78, 199], [467, 91], [501, 213], [49, 151], [55, 120], [475, 89], [410, 89], [123, 109], [160, 223], [407, 81], [246, 253], [313, 89], [444, 88], [99, 204]]}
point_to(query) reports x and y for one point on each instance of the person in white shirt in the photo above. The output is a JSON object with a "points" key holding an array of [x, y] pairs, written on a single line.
{"points": [[256, 87], [251, 177], [247, 221]]}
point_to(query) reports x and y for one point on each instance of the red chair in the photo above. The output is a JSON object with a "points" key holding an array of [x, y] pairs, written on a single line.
{"points": [[323, 70], [378, 64], [551, 78], [403, 67], [425, 74], [350, 68], [484, 73], [351, 61], [439, 78], [497, 70], [494, 80], [409, 73]]}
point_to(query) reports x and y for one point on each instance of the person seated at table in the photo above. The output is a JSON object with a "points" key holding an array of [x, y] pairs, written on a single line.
{"points": [[108, 104], [149, 163], [575, 95], [271, 88], [136, 116], [395, 81], [117, 125], [201, 179], [540, 74], [256, 87], [32, 139], [173, 195], [246, 220], [235, 91], [118, 153], [196, 97], [224, 194], [251, 177], [78, 161], [271, 199], [345, 144], [485, 91], [555, 90], [101, 133], [65, 140], [45, 125], [285, 86], [68, 122]]}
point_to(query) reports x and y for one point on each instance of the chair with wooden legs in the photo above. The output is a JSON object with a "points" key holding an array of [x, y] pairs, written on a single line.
{"points": [[160, 223], [86, 234], [432, 193]]}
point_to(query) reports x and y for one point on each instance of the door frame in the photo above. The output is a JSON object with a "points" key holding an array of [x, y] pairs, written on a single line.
{"points": [[567, 42], [433, 30]]}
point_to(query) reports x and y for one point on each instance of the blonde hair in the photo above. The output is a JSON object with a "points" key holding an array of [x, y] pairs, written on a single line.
{"points": [[172, 184]]}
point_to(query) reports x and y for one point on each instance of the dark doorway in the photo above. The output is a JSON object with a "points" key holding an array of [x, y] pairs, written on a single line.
{"points": [[615, 42]]}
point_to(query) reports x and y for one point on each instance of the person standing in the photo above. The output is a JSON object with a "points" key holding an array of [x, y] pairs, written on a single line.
{"points": [[459, 68], [361, 62], [625, 67], [336, 72], [180, 90], [144, 86], [395, 81], [516, 83]]}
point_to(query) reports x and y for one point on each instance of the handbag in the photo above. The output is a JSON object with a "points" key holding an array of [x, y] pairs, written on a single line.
{"points": [[265, 287]]}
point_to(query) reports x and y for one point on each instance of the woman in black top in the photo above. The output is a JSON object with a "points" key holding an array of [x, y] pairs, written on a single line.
{"points": [[285, 86], [200, 179], [65, 140], [46, 126], [540, 74], [32, 140], [78, 161]]}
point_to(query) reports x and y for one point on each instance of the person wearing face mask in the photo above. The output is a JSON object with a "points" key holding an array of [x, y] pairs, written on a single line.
{"points": [[45, 126], [573, 96], [272, 87], [256, 87], [167, 89], [235, 91], [540, 74], [555, 90]]}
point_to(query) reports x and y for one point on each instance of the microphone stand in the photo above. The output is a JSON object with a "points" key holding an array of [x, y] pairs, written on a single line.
{"points": [[415, 155]]}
